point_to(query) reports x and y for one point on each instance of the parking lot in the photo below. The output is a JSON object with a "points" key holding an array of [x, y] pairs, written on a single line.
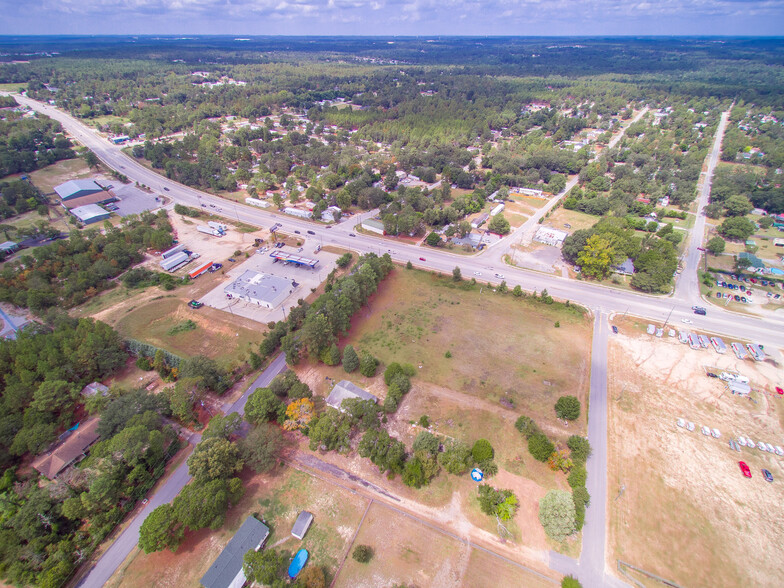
{"points": [[132, 200], [305, 278]]}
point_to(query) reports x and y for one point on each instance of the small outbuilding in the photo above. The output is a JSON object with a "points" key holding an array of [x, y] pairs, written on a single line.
{"points": [[344, 390], [226, 571], [8, 247], [302, 524]]}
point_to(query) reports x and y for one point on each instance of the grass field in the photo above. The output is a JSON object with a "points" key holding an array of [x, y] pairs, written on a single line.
{"points": [[409, 553], [52, 175], [501, 347], [15, 87], [578, 220], [155, 322]]}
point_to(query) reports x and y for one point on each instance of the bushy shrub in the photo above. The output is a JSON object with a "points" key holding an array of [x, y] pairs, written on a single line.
{"points": [[580, 448], [567, 407], [557, 514], [577, 476], [482, 451], [540, 447], [527, 426], [362, 553]]}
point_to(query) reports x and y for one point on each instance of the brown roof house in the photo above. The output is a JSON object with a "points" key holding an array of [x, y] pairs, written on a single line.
{"points": [[73, 449]]}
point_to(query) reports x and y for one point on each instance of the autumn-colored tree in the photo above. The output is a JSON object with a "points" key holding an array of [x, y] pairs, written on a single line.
{"points": [[298, 414], [596, 257]]}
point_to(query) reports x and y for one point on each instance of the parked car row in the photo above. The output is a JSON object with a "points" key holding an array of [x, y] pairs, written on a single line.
{"points": [[746, 471]]}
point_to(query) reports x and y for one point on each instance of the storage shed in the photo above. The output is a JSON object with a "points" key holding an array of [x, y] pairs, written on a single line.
{"points": [[302, 524]]}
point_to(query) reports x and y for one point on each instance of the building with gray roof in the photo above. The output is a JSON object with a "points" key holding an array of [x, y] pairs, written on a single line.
{"points": [[344, 390], [262, 289], [91, 213], [226, 571], [77, 188], [302, 524]]}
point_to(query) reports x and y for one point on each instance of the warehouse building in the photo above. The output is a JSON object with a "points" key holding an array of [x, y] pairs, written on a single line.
{"points": [[262, 289], [90, 213], [77, 188], [373, 225]]}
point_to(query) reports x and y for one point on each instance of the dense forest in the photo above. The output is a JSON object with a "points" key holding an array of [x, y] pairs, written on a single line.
{"points": [[30, 143], [69, 272]]}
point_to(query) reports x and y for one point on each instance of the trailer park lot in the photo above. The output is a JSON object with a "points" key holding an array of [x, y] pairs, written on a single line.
{"points": [[678, 504]]}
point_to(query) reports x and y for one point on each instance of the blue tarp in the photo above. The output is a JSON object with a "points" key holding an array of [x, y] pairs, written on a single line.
{"points": [[298, 563]]}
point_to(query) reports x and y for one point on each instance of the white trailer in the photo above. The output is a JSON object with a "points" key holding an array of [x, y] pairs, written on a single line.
{"points": [[173, 251], [209, 231], [718, 345]]}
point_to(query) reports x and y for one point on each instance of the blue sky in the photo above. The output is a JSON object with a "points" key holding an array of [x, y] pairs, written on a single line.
{"points": [[394, 17]]}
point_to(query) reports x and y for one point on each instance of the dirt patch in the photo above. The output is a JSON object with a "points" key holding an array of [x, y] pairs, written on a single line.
{"points": [[706, 510]]}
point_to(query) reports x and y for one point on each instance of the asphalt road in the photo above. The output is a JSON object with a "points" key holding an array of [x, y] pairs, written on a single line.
{"points": [[687, 287], [113, 558], [768, 331], [485, 267]]}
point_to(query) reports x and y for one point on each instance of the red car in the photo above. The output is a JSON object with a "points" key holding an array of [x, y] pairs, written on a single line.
{"points": [[422, 259], [779, 390], [745, 469]]}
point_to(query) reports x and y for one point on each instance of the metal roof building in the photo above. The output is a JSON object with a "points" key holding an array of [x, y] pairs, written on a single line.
{"points": [[175, 261], [287, 257], [77, 188], [226, 571], [550, 236], [344, 390], [173, 251], [262, 289], [91, 213], [302, 524]]}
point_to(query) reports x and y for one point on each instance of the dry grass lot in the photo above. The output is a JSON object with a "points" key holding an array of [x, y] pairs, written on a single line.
{"points": [[409, 553], [500, 346], [710, 526], [278, 498]]}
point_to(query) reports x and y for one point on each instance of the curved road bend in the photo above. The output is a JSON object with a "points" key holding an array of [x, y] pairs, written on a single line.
{"points": [[128, 540]]}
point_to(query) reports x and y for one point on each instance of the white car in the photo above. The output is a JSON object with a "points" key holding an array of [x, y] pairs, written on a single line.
{"points": [[477, 273], [681, 423], [705, 430], [689, 426], [779, 450], [761, 446], [741, 441], [500, 276], [686, 321], [770, 448], [715, 433]]}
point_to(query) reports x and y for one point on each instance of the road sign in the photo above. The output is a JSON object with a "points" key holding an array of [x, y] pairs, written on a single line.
{"points": [[477, 475]]}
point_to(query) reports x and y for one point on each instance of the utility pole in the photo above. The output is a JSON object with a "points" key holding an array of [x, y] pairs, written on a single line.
{"points": [[668, 317]]}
